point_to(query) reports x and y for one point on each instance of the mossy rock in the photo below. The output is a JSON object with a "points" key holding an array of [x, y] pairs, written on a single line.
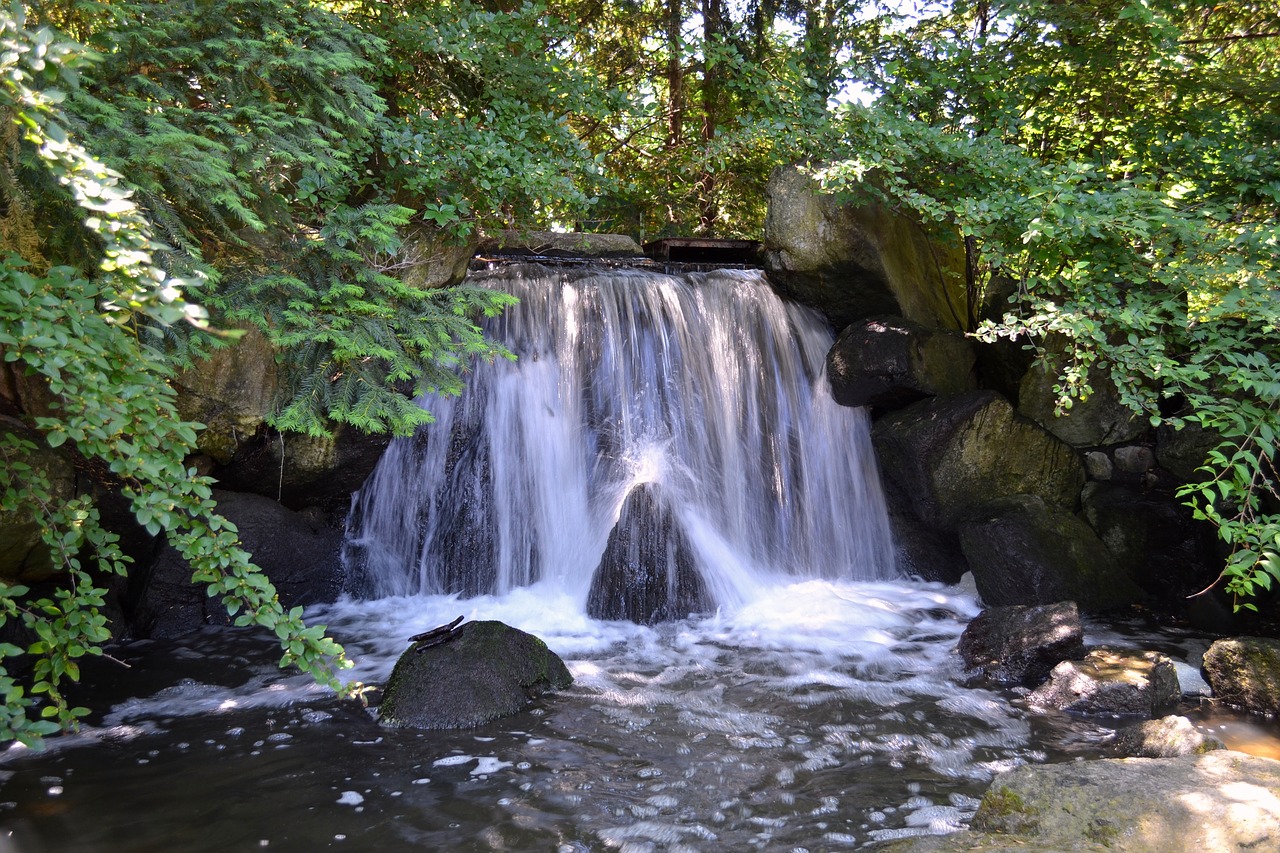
{"points": [[1245, 672], [488, 670]]}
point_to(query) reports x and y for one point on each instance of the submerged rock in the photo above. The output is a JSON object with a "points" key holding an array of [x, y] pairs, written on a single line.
{"points": [[1020, 645], [488, 670], [1166, 737], [1111, 682], [648, 573], [1245, 672]]}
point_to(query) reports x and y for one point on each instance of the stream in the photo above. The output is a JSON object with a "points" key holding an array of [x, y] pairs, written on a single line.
{"points": [[815, 704]]}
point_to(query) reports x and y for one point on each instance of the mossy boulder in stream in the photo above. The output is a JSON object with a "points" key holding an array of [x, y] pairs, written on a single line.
{"points": [[1218, 801], [486, 670]]}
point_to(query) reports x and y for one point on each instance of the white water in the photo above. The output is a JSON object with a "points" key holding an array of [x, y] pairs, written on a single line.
{"points": [[707, 384], [819, 706]]}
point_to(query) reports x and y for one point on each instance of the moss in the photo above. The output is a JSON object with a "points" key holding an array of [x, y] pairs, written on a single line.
{"points": [[1102, 832], [1004, 811]]}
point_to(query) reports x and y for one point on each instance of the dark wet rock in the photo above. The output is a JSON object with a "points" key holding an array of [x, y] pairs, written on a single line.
{"points": [[852, 261], [889, 362], [1020, 645], [1245, 672], [951, 455], [1182, 451], [925, 553], [295, 550], [1024, 551], [302, 470], [1167, 737], [1153, 538], [486, 671], [1111, 682], [648, 573]]}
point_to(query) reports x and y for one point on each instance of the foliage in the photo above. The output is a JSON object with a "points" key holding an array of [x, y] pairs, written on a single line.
{"points": [[1139, 222], [110, 401]]}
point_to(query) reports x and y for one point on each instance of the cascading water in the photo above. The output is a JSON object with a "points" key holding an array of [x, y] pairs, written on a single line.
{"points": [[814, 703], [706, 384]]}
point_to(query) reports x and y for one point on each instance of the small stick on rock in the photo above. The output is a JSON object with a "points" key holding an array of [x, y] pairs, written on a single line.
{"points": [[436, 636]]}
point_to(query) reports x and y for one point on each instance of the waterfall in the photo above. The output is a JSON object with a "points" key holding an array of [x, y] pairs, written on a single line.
{"points": [[705, 384]]}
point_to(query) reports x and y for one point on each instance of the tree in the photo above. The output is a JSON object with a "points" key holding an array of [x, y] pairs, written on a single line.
{"points": [[1118, 160], [83, 336]]}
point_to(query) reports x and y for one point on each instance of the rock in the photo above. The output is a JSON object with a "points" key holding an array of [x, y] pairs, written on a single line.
{"points": [[889, 362], [23, 555], [434, 258], [1245, 672], [1218, 801], [487, 671], [302, 470], [1111, 682], [1024, 551], [1153, 538], [925, 553], [300, 556], [231, 392], [554, 244], [1166, 737], [1097, 465], [1134, 459], [852, 261], [951, 455], [1020, 645], [1003, 362], [1100, 419], [648, 573], [1182, 451]]}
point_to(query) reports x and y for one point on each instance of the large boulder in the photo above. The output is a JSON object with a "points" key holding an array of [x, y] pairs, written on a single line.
{"points": [[484, 671], [1098, 419], [648, 573], [1218, 801], [1111, 682], [302, 471], [1245, 672], [1153, 538], [852, 261], [231, 392], [297, 552], [1024, 551], [923, 552], [1020, 645], [1167, 737], [889, 362], [951, 455]]}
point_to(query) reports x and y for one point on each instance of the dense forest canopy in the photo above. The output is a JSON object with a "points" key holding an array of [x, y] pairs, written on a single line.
{"points": [[170, 169]]}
